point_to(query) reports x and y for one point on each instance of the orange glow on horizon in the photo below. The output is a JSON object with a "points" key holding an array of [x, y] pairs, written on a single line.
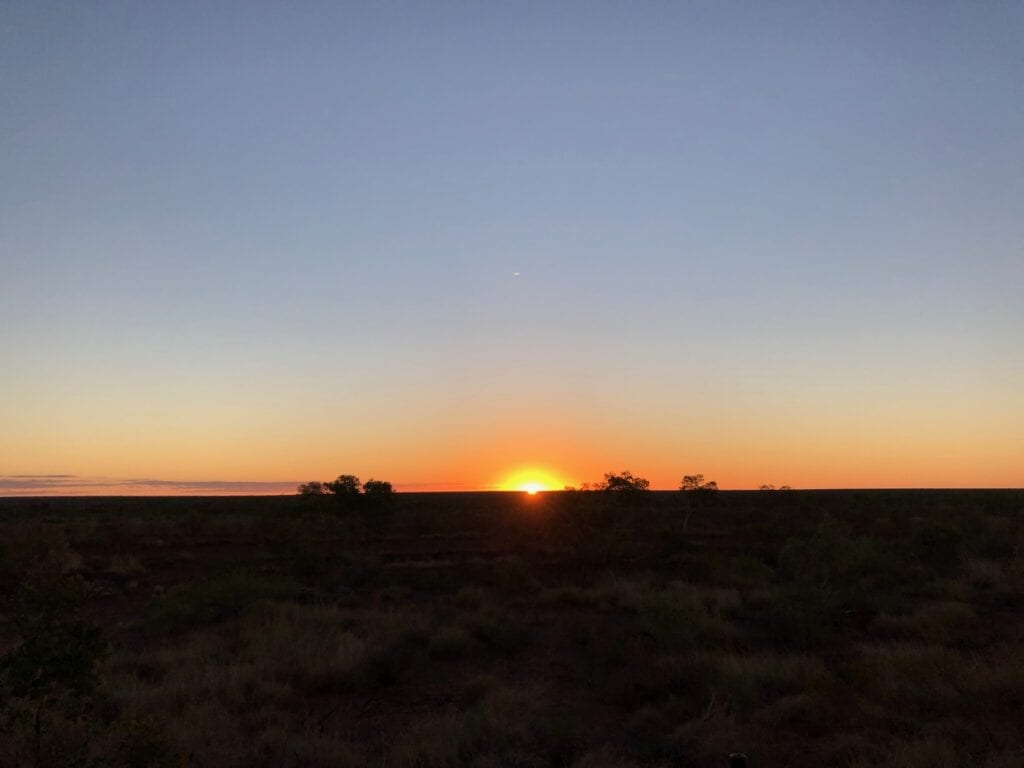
{"points": [[531, 480]]}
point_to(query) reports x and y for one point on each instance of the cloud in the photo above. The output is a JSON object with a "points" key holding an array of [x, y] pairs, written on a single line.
{"points": [[216, 486], [15, 483], [74, 485], [48, 477]]}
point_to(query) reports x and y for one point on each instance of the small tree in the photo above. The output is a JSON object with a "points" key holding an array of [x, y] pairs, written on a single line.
{"points": [[696, 483], [701, 490], [346, 486], [378, 490], [624, 481], [766, 487], [313, 488]]}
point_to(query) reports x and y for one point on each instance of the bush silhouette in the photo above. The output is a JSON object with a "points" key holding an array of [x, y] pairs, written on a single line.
{"points": [[703, 492], [313, 488], [378, 489], [696, 483], [624, 481], [345, 486], [350, 493]]}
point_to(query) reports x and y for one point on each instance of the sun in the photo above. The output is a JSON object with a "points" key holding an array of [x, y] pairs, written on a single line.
{"points": [[530, 480]]}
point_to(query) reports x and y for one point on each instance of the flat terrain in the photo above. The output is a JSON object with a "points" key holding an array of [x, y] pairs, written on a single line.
{"points": [[580, 629]]}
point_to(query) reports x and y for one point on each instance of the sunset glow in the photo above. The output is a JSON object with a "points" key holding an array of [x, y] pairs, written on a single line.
{"points": [[478, 247], [531, 481]]}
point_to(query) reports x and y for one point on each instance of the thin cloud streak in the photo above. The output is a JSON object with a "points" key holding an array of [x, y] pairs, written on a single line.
{"points": [[75, 485], [33, 477]]}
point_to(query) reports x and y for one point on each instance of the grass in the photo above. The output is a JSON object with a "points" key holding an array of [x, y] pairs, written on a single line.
{"points": [[834, 629]]}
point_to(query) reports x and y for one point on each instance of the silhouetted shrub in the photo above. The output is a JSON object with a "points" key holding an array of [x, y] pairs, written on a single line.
{"points": [[696, 483], [699, 494], [378, 489], [350, 493], [345, 486], [624, 481], [378, 495]]}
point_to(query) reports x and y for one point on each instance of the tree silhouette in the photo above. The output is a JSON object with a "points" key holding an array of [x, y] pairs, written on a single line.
{"points": [[624, 481], [349, 493], [345, 486], [696, 483], [378, 489], [699, 492]]}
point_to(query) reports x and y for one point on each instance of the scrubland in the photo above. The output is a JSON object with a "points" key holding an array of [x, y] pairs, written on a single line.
{"points": [[584, 629]]}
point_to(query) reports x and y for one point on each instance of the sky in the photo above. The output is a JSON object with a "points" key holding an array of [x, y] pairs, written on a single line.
{"points": [[461, 245]]}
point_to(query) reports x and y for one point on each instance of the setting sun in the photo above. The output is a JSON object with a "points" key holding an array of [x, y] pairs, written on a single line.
{"points": [[530, 480]]}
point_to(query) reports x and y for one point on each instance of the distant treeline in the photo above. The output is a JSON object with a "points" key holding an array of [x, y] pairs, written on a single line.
{"points": [[348, 487]]}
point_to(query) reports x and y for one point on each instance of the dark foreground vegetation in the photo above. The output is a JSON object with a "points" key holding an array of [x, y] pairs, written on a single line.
{"points": [[564, 629]]}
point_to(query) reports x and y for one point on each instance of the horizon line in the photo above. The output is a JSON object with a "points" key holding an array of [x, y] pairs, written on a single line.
{"points": [[505, 491]]}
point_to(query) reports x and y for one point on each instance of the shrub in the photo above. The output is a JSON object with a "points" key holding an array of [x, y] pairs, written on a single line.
{"points": [[378, 489], [697, 483], [344, 485], [313, 488], [624, 481]]}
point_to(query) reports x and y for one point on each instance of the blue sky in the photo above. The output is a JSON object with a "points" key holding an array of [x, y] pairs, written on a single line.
{"points": [[725, 218]]}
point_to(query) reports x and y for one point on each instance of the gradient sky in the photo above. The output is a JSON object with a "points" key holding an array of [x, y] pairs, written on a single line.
{"points": [[445, 244]]}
